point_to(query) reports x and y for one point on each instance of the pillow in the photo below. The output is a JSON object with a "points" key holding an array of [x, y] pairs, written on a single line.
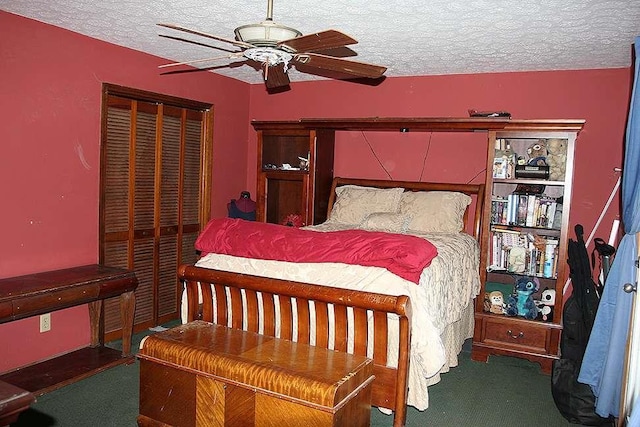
{"points": [[353, 203], [386, 221], [435, 211]]}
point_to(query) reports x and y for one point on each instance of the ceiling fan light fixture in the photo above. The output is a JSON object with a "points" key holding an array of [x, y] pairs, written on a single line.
{"points": [[269, 56], [266, 33]]}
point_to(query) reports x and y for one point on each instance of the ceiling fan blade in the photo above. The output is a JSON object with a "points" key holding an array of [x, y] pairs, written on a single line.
{"points": [[328, 39], [224, 49], [173, 64], [275, 76], [354, 68], [211, 36]]}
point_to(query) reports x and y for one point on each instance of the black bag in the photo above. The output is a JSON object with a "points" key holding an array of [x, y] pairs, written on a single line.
{"points": [[575, 400]]}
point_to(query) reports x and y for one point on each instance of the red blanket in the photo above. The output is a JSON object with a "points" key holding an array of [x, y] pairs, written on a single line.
{"points": [[401, 254]]}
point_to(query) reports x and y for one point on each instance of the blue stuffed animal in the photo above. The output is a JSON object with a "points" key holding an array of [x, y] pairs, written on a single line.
{"points": [[520, 302]]}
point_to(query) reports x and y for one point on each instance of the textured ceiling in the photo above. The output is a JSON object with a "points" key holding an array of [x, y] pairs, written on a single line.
{"points": [[410, 37]]}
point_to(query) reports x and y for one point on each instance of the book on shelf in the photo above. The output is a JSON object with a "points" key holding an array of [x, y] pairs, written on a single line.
{"points": [[525, 210], [539, 260]]}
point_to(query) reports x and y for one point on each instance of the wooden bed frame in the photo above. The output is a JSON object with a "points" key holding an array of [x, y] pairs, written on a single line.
{"points": [[241, 312], [229, 308]]}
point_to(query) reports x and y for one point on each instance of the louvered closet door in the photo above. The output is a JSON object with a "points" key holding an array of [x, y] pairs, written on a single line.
{"points": [[153, 194]]}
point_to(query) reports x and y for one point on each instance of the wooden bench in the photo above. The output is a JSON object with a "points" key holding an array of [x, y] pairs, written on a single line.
{"points": [[201, 374], [40, 293], [13, 401]]}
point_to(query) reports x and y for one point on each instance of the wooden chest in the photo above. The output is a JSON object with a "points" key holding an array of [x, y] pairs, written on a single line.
{"points": [[201, 374]]}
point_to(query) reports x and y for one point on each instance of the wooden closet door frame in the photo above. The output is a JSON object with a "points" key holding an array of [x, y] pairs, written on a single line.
{"points": [[206, 149]]}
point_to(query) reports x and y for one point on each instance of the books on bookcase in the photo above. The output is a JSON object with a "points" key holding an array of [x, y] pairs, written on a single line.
{"points": [[525, 210], [538, 256]]}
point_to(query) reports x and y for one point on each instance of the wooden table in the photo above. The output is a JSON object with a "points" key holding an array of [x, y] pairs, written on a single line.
{"points": [[40, 293]]}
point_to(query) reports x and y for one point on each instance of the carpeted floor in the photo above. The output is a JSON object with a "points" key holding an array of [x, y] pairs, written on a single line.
{"points": [[504, 392]]}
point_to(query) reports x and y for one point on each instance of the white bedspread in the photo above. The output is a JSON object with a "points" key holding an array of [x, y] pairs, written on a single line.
{"points": [[445, 288]]}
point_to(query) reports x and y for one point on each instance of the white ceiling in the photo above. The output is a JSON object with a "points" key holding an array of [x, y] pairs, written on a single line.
{"points": [[410, 37]]}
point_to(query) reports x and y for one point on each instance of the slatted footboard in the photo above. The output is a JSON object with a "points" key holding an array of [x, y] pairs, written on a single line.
{"points": [[339, 319]]}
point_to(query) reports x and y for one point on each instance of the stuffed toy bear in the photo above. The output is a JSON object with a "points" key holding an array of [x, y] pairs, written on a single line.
{"points": [[556, 158], [537, 154], [520, 302]]}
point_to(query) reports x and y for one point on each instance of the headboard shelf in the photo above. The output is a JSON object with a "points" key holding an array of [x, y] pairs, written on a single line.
{"points": [[425, 124]]}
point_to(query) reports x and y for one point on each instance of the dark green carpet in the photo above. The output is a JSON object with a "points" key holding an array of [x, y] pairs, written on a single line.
{"points": [[504, 392]]}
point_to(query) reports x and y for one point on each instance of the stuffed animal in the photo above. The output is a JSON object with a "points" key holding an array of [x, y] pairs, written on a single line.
{"points": [[537, 154], [520, 302], [546, 304], [494, 302], [556, 158]]}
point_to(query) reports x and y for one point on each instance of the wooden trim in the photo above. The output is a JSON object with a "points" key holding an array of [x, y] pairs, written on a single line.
{"points": [[424, 124], [152, 97]]}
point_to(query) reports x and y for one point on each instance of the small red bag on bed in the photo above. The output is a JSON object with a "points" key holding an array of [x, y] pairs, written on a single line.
{"points": [[401, 254]]}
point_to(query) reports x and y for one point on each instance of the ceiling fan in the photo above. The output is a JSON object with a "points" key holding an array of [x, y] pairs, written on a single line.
{"points": [[277, 47]]}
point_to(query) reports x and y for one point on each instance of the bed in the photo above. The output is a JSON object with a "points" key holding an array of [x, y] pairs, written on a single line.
{"points": [[446, 215]]}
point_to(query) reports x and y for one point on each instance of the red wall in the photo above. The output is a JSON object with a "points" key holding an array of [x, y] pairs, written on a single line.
{"points": [[49, 159], [49, 162]]}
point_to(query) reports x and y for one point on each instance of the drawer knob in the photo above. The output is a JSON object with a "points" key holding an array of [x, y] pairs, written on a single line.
{"points": [[515, 337]]}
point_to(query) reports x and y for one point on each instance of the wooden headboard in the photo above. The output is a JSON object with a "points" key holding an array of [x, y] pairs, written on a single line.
{"points": [[475, 191]]}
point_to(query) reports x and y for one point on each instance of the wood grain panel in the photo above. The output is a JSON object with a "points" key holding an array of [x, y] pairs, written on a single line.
{"points": [[380, 339], [302, 308], [286, 318], [221, 306], [274, 412], [269, 314], [210, 402], [240, 404], [341, 332], [167, 394], [236, 307], [322, 324], [251, 297], [360, 331]]}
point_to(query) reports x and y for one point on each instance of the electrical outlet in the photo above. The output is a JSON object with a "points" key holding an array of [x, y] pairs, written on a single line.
{"points": [[45, 322]]}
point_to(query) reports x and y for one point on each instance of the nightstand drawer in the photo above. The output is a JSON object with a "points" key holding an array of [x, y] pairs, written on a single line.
{"points": [[517, 334]]}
